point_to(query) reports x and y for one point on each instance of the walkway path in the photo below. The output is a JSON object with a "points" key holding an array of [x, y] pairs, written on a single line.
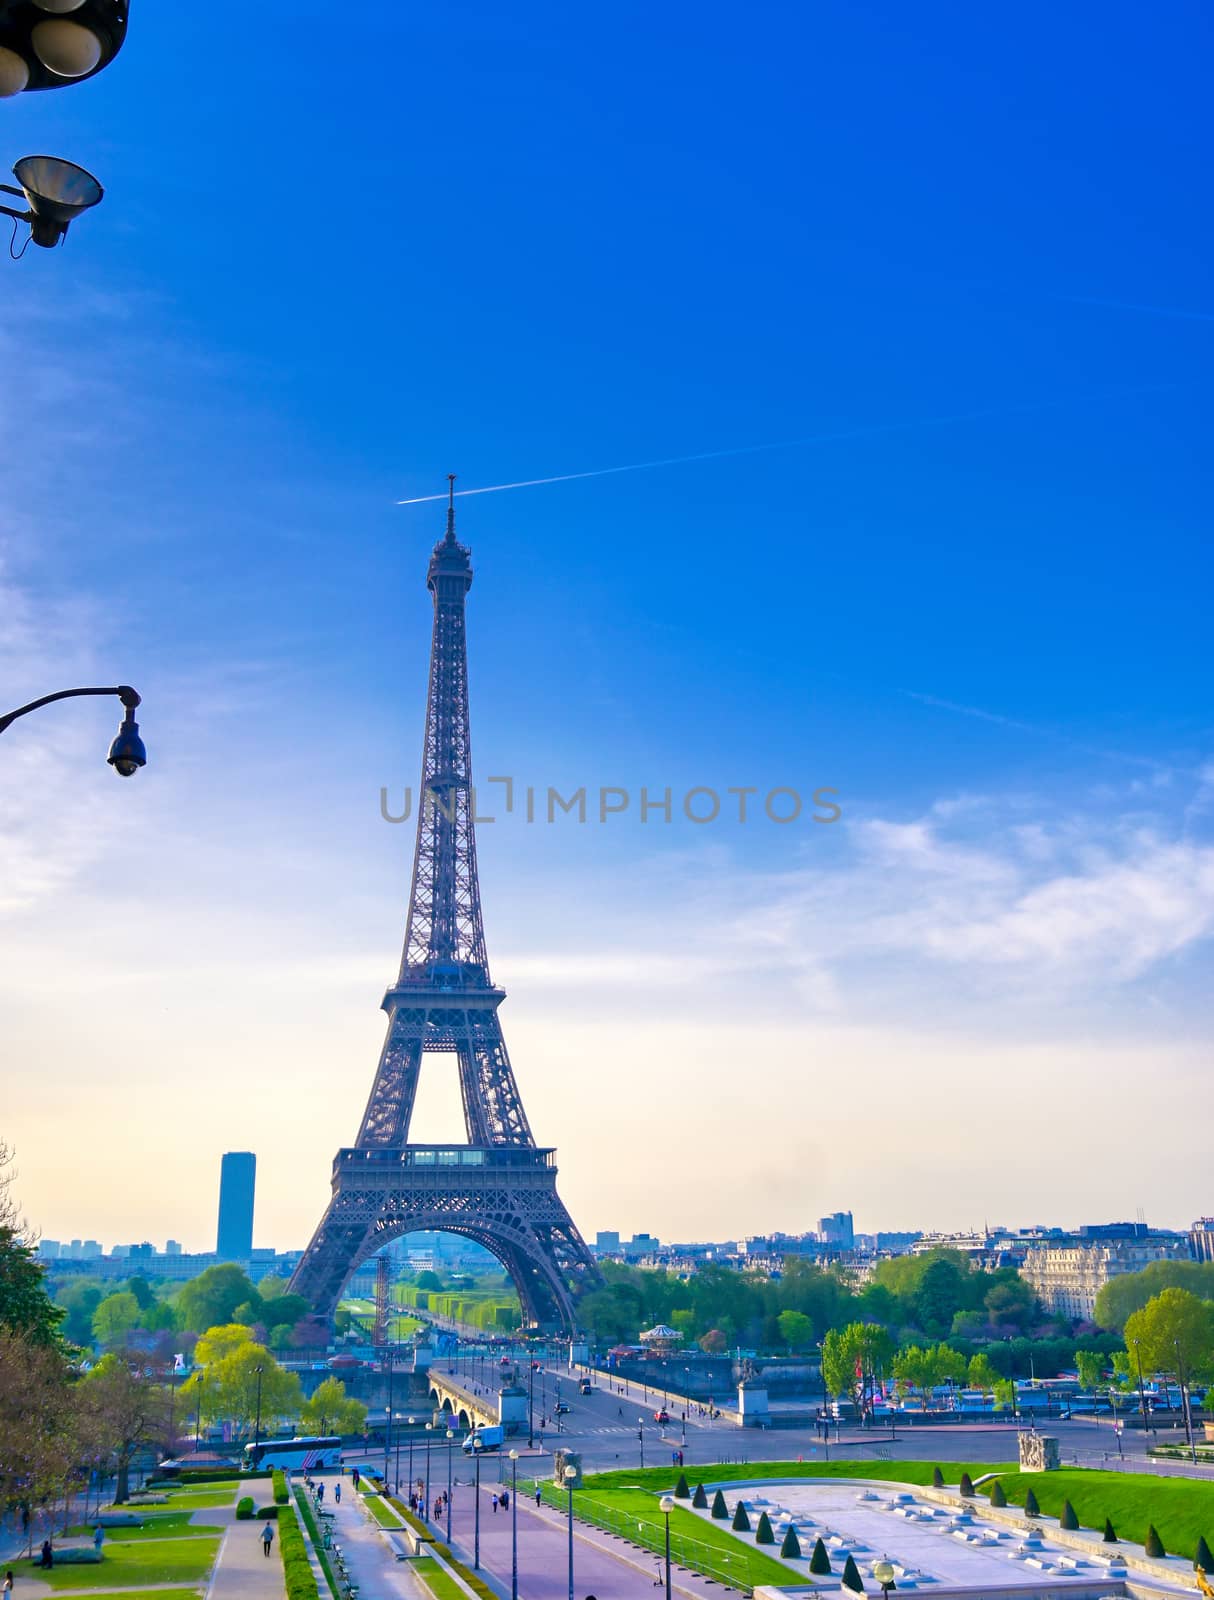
{"points": [[602, 1566], [242, 1571], [370, 1559]]}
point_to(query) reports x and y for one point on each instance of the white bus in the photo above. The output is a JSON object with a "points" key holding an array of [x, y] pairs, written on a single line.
{"points": [[300, 1455]]}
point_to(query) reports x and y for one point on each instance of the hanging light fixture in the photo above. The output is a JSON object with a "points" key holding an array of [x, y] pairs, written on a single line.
{"points": [[45, 44], [55, 191]]}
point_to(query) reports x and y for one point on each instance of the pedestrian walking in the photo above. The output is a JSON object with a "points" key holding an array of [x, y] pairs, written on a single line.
{"points": [[267, 1537], [537, 1494], [8, 1583], [98, 1538], [505, 1499], [320, 1493], [337, 1493], [46, 1554], [495, 1505], [354, 1476]]}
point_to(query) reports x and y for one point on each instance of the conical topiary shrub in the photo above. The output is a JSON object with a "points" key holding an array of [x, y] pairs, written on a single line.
{"points": [[699, 1499], [1110, 1533], [819, 1562], [1031, 1508], [791, 1548], [967, 1486], [681, 1491], [741, 1522], [719, 1508], [763, 1533], [998, 1497], [1203, 1558], [937, 1478], [1154, 1545], [851, 1577], [1068, 1519]]}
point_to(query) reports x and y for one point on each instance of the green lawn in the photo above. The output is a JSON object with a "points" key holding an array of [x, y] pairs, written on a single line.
{"points": [[133, 1564], [209, 1499], [440, 1584], [161, 1594], [659, 1480], [1180, 1508], [704, 1546], [383, 1514], [159, 1525]]}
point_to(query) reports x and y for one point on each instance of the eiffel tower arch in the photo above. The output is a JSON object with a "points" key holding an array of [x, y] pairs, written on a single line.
{"points": [[498, 1189]]}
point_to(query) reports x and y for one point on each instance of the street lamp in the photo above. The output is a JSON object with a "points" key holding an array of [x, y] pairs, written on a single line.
{"points": [[198, 1415], [1142, 1397], [450, 1442], [666, 1506], [477, 1447], [257, 1425], [47, 44], [55, 193], [127, 753], [426, 1497], [883, 1571], [513, 1525], [570, 1480], [412, 1425], [641, 1439]]}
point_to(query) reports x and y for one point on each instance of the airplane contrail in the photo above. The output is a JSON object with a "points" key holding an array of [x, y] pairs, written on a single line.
{"points": [[871, 430]]}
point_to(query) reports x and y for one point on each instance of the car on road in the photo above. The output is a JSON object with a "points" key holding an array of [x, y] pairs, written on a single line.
{"points": [[661, 1415], [584, 1386], [559, 1409]]}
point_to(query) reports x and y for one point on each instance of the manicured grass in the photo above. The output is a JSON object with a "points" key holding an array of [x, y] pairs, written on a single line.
{"points": [[659, 1480], [161, 1594], [160, 1524], [440, 1584], [133, 1565], [204, 1499], [696, 1542], [1181, 1509], [383, 1514]]}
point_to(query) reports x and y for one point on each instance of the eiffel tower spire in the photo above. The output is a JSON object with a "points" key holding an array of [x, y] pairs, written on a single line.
{"points": [[444, 1001]]}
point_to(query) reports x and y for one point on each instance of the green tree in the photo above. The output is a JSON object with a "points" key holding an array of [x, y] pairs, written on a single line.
{"points": [[26, 1308], [819, 1562], [232, 1385], [1175, 1333], [330, 1410], [429, 1280], [719, 1509], [796, 1330], [211, 1298], [791, 1547], [115, 1317], [218, 1342], [763, 1531], [741, 1522], [128, 1408], [1122, 1296], [851, 1576], [1090, 1366], [79, 1298], [981, 1374]]}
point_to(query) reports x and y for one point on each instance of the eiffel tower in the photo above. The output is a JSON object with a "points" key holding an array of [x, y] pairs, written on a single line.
{"points": [[500, 1188]]}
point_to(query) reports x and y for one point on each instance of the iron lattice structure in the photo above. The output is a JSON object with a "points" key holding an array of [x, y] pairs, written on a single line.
{"points": [[500, 1188]]}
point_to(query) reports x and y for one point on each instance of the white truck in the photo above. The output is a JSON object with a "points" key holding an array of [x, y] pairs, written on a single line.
{"points": [[483, 1440]]}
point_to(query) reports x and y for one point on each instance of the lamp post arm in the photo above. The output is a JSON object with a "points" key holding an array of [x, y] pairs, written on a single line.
{"points": [[124, 691]]}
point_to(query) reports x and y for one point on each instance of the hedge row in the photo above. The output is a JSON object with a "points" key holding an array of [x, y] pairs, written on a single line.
{"points": [[278, 1480], [477, 1585], [244, 1508], [297, 1569]]}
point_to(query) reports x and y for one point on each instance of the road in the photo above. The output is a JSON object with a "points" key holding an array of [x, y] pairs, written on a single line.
{"points": [[614, 1427]]}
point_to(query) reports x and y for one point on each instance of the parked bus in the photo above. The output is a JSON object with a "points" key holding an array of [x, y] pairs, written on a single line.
{"points": [[300, 1455]]}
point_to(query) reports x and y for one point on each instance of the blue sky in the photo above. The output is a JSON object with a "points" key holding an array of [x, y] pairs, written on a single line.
{"points": [[967, 255]]}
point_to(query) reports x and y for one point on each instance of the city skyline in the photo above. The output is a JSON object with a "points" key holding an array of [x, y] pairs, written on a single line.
{"points": [[976, 607]]}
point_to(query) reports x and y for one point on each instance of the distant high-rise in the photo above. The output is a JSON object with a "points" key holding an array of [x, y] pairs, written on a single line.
{"points": [[837, 1230], [237, 1180]]}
